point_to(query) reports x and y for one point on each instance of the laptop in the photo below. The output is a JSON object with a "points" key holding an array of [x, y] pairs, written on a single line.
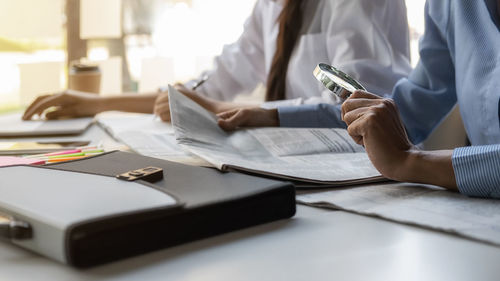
{"points": [[12, 125]]}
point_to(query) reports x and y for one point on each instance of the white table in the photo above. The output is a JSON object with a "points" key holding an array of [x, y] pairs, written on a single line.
{"points": [[316, 244]]}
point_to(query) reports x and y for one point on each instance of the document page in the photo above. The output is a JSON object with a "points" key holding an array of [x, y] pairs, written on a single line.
{"points": [[325, 156], [426, 206], [147, 135], [302, 141]]}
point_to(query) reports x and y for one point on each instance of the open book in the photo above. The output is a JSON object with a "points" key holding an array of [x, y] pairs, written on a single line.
{"points": [[306, 156]]}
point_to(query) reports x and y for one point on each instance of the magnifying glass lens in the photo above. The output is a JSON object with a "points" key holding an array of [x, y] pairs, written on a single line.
{"points": [[336, 81]]}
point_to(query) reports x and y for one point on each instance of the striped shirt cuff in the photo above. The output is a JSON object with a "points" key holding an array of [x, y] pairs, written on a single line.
{"points": [[477, 170]]}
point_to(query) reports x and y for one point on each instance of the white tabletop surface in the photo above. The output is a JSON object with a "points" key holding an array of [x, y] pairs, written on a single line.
{"points": [[316, 244]]}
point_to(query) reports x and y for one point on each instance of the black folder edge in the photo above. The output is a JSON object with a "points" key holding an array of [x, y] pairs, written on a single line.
{"points": [[158, 228], [152, 230]]}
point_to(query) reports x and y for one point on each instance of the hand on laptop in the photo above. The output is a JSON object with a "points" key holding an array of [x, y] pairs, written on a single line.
{"points": [[67, 104]]}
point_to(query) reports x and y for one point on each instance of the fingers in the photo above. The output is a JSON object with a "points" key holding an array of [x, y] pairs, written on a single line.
{"points": [[162, 98], [227, 114], [380, 109], [163, 111], [36, 107], [355, 114], [39, 106], [165, 116], [248, 117], [181, 87], [362, 111], [29, 108], [370, 117], [357, 130], [231, 120], [354, 104], [363, 95], [61, 112], [359, 99], [162, 107]]}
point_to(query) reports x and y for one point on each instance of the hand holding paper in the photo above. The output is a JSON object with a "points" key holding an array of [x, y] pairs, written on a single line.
{"points": [[248, 117]]}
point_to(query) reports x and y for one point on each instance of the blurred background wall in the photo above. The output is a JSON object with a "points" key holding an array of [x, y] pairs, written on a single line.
{"points": [[138, 44]]}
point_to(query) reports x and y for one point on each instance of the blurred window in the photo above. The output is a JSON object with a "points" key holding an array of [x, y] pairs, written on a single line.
{"points": [[139, 44]]}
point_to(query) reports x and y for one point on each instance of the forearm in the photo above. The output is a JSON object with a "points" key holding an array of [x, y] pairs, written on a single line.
{"points": [[429, 167], [140, 103]]}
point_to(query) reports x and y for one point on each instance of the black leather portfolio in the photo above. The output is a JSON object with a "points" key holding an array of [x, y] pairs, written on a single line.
{"points": [[104, 208]]}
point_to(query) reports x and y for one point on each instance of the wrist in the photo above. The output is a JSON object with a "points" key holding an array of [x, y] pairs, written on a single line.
{"points": [[274, 117], [101, 104], [429, 167], [412, 166]]}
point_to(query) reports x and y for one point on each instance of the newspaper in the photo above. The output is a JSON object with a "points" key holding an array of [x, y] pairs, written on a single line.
{"points": [[421, 205], [146, 135], [318, 156]]}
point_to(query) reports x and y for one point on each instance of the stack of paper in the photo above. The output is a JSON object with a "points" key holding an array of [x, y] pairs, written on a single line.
{"points": [[13, 161], [425, 206], [147, 135]]}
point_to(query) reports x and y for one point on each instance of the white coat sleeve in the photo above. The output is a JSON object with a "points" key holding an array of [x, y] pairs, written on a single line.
{"points": [[240, 67]]}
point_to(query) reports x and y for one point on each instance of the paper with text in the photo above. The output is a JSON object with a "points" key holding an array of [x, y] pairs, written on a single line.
{"points": [[146, 135], [327, 156], [426, 206]]}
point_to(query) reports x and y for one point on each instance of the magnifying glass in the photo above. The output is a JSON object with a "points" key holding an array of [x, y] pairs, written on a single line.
{"points": [[336, 81]]}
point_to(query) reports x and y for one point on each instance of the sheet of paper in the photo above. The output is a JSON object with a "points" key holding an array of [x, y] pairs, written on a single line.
{"points": [[326, 156], [11, 161], [147, 135], [421, 205], [286, 142]]}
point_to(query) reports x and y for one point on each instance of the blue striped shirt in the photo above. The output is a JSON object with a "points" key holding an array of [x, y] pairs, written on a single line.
{"points": [[477, 170], [460, 63]]}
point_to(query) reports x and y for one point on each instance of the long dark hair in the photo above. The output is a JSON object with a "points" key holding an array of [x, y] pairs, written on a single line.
{"points": [[290, 24]]}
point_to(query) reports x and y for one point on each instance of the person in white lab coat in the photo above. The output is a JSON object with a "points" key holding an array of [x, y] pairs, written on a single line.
{"points": [[281, 44]]}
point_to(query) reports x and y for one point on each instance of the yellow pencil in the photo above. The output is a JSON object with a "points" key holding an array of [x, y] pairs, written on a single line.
{"points": [[55, 160]]}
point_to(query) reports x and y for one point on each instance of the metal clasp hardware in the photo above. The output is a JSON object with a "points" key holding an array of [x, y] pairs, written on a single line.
{"points": [[12, 229], [149, 174]]}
